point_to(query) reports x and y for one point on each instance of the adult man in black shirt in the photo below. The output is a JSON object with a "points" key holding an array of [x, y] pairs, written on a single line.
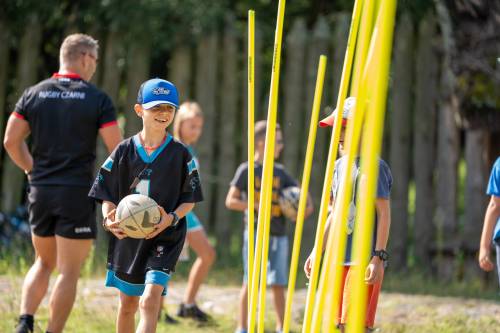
{"points": [[63, 115]]}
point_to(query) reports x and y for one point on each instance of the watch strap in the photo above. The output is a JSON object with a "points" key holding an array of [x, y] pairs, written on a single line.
{"points": [[176, 218]]}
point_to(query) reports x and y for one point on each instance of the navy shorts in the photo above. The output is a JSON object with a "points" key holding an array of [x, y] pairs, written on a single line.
{"points": [[66, 211]]}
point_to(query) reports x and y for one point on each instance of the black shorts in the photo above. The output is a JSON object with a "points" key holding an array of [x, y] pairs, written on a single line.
{"points": [[66, 211], [132, 258]]}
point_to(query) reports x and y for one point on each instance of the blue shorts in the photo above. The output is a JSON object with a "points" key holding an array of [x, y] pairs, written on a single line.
{"points": [[137, 289], [193, 222], [277, 263]]}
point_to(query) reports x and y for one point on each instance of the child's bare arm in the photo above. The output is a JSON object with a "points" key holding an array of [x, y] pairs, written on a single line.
{"points": [[375, 268], [309, 260], [383, 208], [490, 219], [309, 206], [167, 218], [183, 209], [233, 200]]}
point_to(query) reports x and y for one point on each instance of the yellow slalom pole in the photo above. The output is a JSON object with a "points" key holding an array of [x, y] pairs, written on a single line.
{"points": [[365, 33], [263, 272], [268, 165], [332, 154], [251, 146], [304, 190], [381, 48]]}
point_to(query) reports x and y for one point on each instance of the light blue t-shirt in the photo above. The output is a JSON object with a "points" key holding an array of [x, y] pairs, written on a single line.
{"points": [[384, 185], [494, 189]]}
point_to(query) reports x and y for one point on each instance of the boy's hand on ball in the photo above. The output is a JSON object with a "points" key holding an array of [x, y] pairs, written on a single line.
{"points": [[165, 222], [114, 225]]}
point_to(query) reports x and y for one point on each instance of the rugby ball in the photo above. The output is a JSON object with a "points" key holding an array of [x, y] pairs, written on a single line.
{"points": [[138, 215], [289, 202]]}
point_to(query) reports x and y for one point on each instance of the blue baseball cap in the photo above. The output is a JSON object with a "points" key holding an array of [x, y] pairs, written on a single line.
{"points": [[157, 91]]}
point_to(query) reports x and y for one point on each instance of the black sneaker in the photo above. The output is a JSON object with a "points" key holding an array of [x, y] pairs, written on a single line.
{"points": [[170, 320], [23, 327], [193, 312]]}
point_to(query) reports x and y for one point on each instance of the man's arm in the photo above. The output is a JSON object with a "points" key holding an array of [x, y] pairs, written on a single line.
{"points": [[16, 132], [233, 200], [490, 220], [111, 136]]}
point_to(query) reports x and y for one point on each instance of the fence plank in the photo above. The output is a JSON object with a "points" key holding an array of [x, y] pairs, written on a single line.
{"points": [[206, 90], [475, 200], [138, 61], [180, 71], [110, 84], [27, 68], [446, 188], [401, 132], [226, 221], [339, 43], [424, 138], [318, 45], [294, 96], [4, 65], [448, 154]]}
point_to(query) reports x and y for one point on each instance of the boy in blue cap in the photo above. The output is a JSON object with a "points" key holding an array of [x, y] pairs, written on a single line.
{"points": [[151, 163]]}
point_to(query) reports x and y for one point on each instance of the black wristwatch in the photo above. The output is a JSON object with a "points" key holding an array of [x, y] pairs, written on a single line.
{"points": [[382, 254], [176, 218]]}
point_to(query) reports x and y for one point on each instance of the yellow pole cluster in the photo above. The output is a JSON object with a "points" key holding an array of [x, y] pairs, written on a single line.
{"points": [[369, 49], [306, 175], [380, 54], [264, 215]]}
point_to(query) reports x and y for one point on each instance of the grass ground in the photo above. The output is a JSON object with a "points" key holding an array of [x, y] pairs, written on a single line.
{"points": [[95, 310], [410, 302]]}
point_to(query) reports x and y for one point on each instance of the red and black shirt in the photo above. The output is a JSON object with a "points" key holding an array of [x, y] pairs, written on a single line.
{"points": [[65, 114]]}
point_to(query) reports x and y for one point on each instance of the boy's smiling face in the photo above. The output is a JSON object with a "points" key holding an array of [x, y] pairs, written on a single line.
{"points": [[159, 116]]}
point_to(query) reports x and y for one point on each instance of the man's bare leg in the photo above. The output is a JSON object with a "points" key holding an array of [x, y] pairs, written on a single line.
{"points": [[71, 254], [37, 279]]}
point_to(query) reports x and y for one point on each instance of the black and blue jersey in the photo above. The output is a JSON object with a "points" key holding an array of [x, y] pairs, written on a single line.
{"points": [[170, 177]]}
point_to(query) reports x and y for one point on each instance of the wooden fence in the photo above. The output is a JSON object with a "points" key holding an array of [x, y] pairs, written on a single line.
{"points": [[423, 145]]}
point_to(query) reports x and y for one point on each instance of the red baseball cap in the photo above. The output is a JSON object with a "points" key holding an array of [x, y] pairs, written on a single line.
{"points": [[349, 104]]}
